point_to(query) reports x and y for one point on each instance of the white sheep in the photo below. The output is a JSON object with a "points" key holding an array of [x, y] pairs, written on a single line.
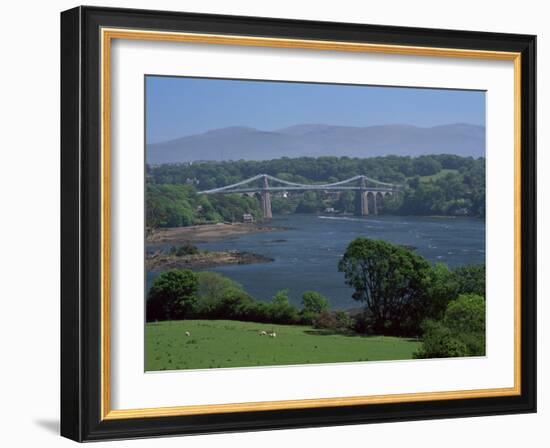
{"points": [[273, 335], [187, 333], [263, 333]]}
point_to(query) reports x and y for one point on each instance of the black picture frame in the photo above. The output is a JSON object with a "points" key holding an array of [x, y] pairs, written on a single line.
{"points": [[81, 224]]}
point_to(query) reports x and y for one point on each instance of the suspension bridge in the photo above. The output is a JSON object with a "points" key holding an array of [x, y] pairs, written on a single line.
{"points": [[369, 193]]}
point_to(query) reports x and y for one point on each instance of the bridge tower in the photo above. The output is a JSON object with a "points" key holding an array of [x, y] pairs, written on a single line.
{"points": [[266, 200], [361, 199]]}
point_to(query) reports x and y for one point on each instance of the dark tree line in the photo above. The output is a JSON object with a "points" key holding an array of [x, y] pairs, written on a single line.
{"points": [[174, 205], [396, 169], [179, 294]]}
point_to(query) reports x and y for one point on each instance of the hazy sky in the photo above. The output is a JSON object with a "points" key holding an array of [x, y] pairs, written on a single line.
{"points": [[176, 107]]}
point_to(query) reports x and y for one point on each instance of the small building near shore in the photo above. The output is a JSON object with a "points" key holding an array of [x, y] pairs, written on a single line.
{"points": [[248, 217]]}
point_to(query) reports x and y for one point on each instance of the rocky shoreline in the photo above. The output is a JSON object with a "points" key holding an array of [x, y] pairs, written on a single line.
{"points": [[161, 260], [206, 233]]}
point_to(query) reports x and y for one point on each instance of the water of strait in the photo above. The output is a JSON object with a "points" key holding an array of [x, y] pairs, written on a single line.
{"points": [[307, 249]]}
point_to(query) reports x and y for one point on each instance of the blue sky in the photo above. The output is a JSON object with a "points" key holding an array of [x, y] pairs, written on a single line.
{"points": [[176, 107]]}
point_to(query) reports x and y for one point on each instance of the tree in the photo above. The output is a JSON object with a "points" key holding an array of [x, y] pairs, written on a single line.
{"points": [[439, 342], [215, 286], [466, 314], [391, 281], [282, 311], [426, 165], [470, 279], [314, 302], [461, 332], [442, 288], [213, 289], [172, 295], [232, 305]]}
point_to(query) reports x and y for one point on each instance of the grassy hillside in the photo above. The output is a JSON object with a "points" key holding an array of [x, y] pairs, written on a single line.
{"points": [[225, 343]]}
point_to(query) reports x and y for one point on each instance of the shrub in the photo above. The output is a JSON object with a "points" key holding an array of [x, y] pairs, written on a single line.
{"points": [[461, 332], [466, 314], [172, 295], [439, 342], [186, 249], [344, 321], [314, 302], [214, 294], [339, 321], [308, 317], [233, 304], [214, 286], [465, 317], [222, 298], [470, 279], [325, 320], [442, 288], [282, 311], [258, 312]]}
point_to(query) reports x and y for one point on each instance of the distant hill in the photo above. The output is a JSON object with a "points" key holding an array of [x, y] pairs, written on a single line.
{"points": [[316, 140]]}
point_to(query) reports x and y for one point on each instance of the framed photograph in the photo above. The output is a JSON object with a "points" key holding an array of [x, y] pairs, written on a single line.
{"points": [[274, 223]]}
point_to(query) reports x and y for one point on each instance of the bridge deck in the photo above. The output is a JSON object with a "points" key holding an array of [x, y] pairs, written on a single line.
{"points": [[304, 188], [265, 189]]}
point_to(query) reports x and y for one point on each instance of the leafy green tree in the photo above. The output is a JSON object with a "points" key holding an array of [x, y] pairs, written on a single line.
{"points": [[461, 332], [314, 302], [233, 305], [426, 165], [215, 286], [172, 295], [439, 342], [282, 311], [170, 205], [466, 314], [470, 279], [391, 281], [442, 287], [222, 298]]}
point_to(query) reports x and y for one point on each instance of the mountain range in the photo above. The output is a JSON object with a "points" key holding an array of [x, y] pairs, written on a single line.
{"points": [[314, 140]]}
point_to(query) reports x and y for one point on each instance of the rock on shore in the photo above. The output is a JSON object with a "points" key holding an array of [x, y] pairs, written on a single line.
{"points": [[161, 260]]}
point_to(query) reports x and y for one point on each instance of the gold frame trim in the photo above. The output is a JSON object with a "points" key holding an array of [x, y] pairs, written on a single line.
{"points": [[107, 35]]}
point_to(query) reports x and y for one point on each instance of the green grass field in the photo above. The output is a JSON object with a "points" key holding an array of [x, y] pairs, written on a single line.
{"points": [[226, 343]]}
